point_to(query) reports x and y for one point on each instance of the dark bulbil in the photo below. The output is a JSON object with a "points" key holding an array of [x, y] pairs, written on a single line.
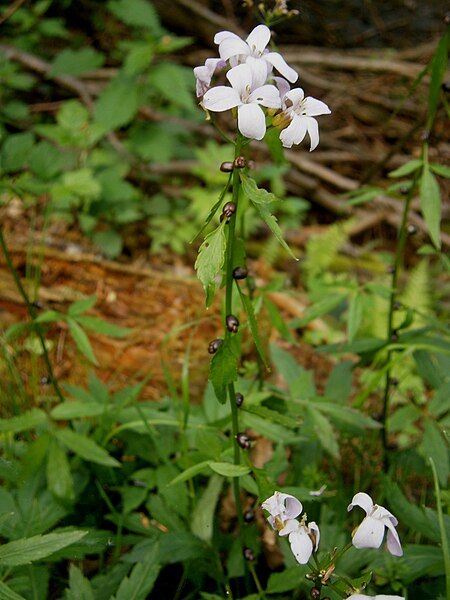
{"points": [[240, 273], [214, 346], [239, 162], [314, 593], [249, 516], [243, 440], [232, 323], [411, 229], [226, 167], [239, 399], [249, 554], [229, 209]]}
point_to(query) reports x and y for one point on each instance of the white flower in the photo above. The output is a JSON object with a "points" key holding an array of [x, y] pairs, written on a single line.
{"points": [[371, 531], [302, 111], [204, 73], [247, 92], [281, 508], [303, 538], [379, 597], [234, 49]]}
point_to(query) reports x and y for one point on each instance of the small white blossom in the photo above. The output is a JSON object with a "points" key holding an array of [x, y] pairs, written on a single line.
{"points": [[379, 597], [204, 73], [304, 539], [236, 50], [302, 111], [370, 533], [248, 93], [281, 508]]}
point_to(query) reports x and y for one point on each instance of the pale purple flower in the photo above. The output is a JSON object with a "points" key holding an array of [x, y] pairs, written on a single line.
{"points": [[379, 597], [248, 93], [304, 539], [204, 73], [302, 111], [281, 508], [236, 50], [370, 533]]}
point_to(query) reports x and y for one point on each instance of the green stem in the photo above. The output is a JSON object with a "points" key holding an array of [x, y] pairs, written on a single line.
{"points": [[258, 585], [445, 548], [32, 314], [398, 261]]}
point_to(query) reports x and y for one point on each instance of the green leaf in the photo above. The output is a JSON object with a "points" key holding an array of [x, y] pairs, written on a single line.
{"points": [[355, 315], [248, 307], [211, 256], [174, 83], [28, 550], [202, 520], [138, 13], [261, 200], [81, 340], [140, 582], [324, 432], [77, 409], [81, 306], [76, 62], [86, 448], [46, 161], [407, 168], [28, 420], [79, 586], [110, 242], [104, 327], [430, 204], [6, 593], [223, 367], [228, 469], [438, 70], [435, 446], [441, 170], [81, 183], [190, 472], [59, 477], [117, 104], [348, 415], [15, 151]]}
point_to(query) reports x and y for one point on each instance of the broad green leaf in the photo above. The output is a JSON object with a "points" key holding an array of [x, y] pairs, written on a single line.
{"points": [[79, 586], [211, 256], [271, 415], [76, 62], [287, 580], [77, 409], [324, 432], [24, 422], [438, 70], [174, 83], [59, 477], [86, 448], [228, 469], [138, 13], [434, 445], [109, 241], [81, 183], [81, 340], [430, 204], [248, 307], [355, 315], [117, 104], [190, 472], [139, 583], [103, 327], [6, 593], [407, 168], [319, 308], [28, 550], [339, 384], [202, 520], [46, 161], [15, 151], [348, 415], [261, 200], [223, 367]]}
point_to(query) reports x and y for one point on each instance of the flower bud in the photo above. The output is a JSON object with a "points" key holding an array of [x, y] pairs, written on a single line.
{"points": [[214, 345], [411, 229], [239, 162], [232, 323], [249, 555], [239, 399], [240, 273], [314, 593], [243, 440], [226, 167], [249, 515]]}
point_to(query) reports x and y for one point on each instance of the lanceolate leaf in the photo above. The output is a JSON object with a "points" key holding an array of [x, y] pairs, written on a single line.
{"points": [[211, 256], [248, 307], [223, 368], [6, 593], [438, 70], [28, 420], [86, 448], [430, 204], [81, 340], [261, 200], [141, 580], [228, 469], [28, 550]]}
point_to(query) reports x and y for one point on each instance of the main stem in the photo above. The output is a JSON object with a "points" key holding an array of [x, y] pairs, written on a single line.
{"points": [[398, 261], [32, 314], [229, 311]]}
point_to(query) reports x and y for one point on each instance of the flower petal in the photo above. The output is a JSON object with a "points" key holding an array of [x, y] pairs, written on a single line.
{"points": [[289, 527], [314, 107], [392, 540], [258, 67], [275, 59], [294, 133], [313, 132], [382, 513], [363, 500], [293, 506], [221, 98], [259, 38], [379, 597], [204, 73], [223, 35], [231, 46], [369, 534], [282, 85], [240, 78], [266, 95], [301, 546], [314, 528], [293, 98], [251, 121]]}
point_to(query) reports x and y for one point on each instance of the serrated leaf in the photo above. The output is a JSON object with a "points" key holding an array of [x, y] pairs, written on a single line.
{"points": [[86, 448], [430, 204], [211, 256], [355, 315], [228, 469], [117, 104], [139, 584], [28, 550], [59, 477], [248, 307], [81, 340], [223, 367], [261, 199], [407, 168], [76, 62], [138, 13], [28, 420], [79, 587], [202, 520], [6, 593]]}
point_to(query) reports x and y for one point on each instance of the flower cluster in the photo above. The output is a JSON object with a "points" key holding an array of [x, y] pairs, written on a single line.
{"points": [[283, 511], [304, 538], [253, 88]]}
